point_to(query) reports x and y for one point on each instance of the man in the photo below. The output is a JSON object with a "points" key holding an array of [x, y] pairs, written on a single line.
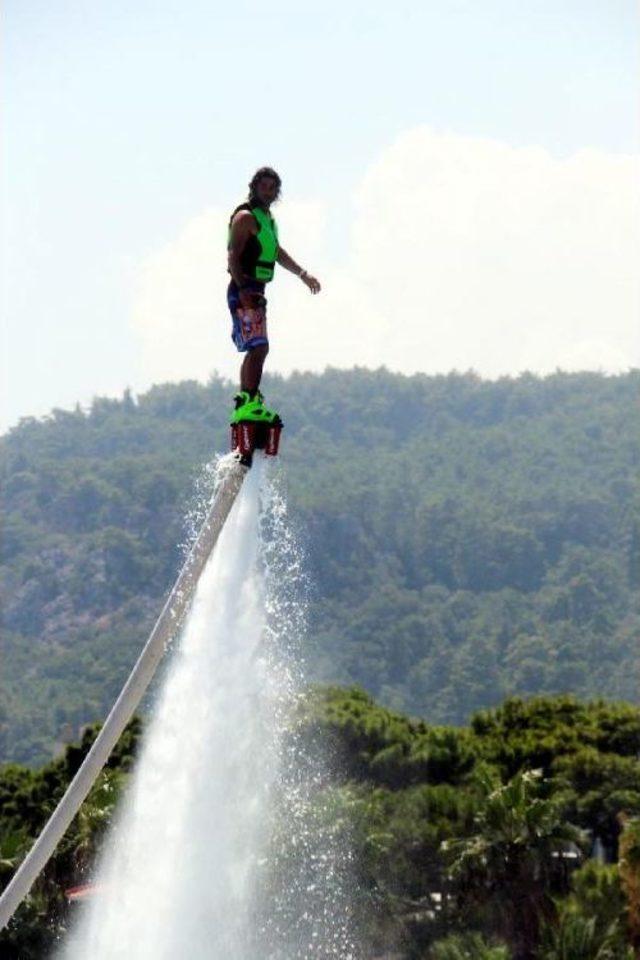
{"points": [[254, 250]]}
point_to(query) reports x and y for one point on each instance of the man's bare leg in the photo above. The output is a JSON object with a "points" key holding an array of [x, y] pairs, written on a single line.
{"points": [[251, 370]]}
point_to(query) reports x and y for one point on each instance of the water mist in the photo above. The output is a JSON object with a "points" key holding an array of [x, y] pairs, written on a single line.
{"points": [[193, 867]]}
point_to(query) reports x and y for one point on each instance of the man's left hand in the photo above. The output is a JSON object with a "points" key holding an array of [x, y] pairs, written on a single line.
{"points": [[311, 282]]}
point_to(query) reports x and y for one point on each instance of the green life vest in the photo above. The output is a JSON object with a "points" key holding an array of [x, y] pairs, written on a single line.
{"points": [[258, 259]]}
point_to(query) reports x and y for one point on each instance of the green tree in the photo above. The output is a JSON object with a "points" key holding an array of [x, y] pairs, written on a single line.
{"points": [[470, 946], [515, 861], [576, 937]]}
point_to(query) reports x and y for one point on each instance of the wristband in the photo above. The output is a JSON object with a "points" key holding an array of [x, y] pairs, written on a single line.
{"points": [[303, 274]]}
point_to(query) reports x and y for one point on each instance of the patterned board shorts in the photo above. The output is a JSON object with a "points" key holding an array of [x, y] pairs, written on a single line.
{"points": [[249, 325]]}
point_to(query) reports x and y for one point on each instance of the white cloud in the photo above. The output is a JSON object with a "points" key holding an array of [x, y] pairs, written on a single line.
{"points": [[178, 309], [463, 253]]}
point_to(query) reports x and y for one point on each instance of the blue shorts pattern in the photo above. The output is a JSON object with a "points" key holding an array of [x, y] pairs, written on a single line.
{"points": [[249, 325]]}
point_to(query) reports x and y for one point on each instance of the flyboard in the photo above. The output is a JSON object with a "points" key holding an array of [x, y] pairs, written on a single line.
{"points": [[251, 430], [254, 427]]}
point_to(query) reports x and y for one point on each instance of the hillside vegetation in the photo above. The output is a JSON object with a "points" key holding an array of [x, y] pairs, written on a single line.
{"points": [[470, 843], [465, 540]]}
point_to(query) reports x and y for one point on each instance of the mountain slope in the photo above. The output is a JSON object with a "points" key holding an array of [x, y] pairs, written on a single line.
{"points": [[465, 540]]}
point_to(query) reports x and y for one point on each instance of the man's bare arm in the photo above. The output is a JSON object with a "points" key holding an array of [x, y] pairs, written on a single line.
{"points": [[243, 226], [289, 264]]}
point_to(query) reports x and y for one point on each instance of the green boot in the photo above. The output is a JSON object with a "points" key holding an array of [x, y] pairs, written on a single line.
{"points": [[251, 409]]}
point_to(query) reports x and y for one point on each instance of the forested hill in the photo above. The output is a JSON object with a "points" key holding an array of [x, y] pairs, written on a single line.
{"points": [[466, 540]]}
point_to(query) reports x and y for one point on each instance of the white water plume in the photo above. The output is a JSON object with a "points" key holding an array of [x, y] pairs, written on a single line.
{"points": [[190, 870]]}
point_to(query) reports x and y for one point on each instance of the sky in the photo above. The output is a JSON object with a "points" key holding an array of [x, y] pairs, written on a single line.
{"points": [[461, 175]]}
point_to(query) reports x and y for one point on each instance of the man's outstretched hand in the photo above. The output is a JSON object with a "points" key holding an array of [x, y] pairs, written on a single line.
{"points": [[311, 282]]}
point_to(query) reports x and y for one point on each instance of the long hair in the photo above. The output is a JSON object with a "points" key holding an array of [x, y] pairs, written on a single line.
{"points": [[257, 177]]}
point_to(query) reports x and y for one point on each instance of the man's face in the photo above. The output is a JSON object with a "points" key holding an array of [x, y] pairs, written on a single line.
{"points": [[266, 190]]}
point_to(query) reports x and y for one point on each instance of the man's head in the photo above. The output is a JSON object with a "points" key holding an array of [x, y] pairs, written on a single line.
{"points": [[264, 187]]}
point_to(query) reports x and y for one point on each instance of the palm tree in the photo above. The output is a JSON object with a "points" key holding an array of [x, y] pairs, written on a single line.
{"points": [[517, 859], [467, 946], [576, 937]]}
